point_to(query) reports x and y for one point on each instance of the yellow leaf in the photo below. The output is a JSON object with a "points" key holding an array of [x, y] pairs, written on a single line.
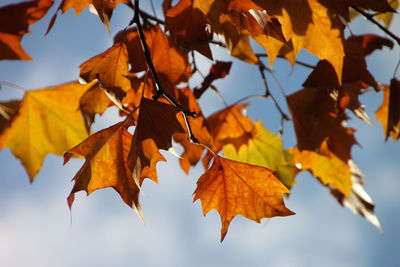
{"points": [[48, 121]]}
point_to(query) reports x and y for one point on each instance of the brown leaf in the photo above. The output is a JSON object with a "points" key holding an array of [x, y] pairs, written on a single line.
{"points": [[315, 120], [389, 112], [15, 20], [187, 25], [156, 124], [104, 9], [234, 188], [106, 153], [217, 71]]}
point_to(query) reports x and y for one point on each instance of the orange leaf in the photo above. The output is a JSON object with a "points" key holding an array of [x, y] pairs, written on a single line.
{"points": [[234, 188], [14, 23], [110, 68], [389, 113], [187, 25], [156, 124], [218, 70], [106, 165]]}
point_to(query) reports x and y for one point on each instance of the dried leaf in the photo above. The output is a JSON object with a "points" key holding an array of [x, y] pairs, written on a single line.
{"points": [[106, 153], [234, 188], [217, 71]]}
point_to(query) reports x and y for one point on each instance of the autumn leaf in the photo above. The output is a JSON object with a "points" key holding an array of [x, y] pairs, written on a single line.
{"points": [[265, 149], [234, 188], [156, 124], [106, 165], [187, 25], [315, 120], [111, 69], [15, 20], [389, 113], [217, 71], [327, 167], [56, 108], [302, 21], [104, 9]]}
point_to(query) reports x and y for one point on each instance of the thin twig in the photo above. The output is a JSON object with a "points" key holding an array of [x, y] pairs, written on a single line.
{"points": [[14, 86], [371, 18], [146, 15], [268, 94], [396, 68]]}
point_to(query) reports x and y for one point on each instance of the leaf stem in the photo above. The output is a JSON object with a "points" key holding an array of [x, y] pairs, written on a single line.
{"points": [[371, 18], [14, 86]]}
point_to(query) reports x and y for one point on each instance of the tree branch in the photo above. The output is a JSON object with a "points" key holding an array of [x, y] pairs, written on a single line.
{"points": [[159, 89], [371, 18], [301, 63]]}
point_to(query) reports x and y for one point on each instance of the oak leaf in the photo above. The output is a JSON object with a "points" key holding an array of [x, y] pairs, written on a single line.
{"points": [[15, 20], [234, 188], [47, 121], [187, 25], [265, 149], [107, 164], [389, 113]]}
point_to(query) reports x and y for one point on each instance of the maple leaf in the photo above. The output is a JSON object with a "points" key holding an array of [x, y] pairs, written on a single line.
{"points": [[217, 71], [187, 25], [389, 113], [15, 20], [265, 149], [315, 120], [29, 136], [170, 62], [234, 188], [156, 124], [106, 165], [104, 9], [111, 69], [302, 21]]}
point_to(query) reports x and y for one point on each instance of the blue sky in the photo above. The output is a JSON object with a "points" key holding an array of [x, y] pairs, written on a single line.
{"points": [[35, 222]]}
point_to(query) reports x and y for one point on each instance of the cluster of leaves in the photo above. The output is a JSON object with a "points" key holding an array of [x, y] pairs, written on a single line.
{"points": [[146, 72]]}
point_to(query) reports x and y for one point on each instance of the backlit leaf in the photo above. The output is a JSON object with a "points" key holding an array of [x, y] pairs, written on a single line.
{"points": [[234, 188]]}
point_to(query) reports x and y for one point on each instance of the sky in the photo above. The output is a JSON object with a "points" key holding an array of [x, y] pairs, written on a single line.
{"points": [[37, 228]]}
